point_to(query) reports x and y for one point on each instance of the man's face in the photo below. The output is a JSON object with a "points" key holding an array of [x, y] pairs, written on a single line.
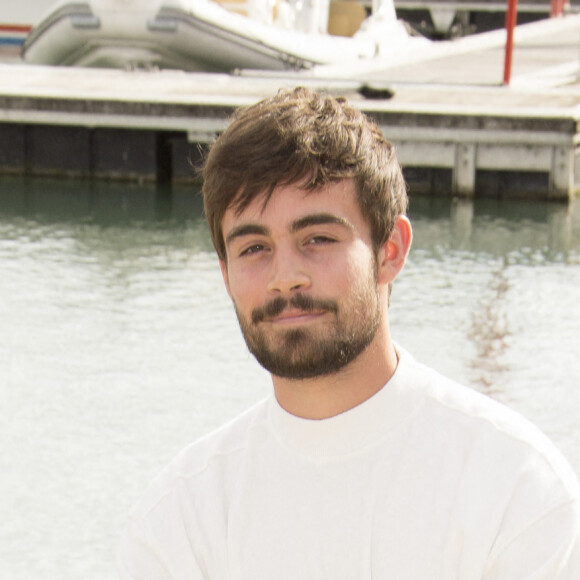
{"points": [[301, 272]]}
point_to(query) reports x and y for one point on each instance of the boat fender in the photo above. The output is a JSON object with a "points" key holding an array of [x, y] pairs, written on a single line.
{"points": [[376, 92]]}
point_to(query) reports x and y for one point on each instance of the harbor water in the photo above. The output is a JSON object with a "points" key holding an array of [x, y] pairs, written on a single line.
{"points": [[118, 344]]}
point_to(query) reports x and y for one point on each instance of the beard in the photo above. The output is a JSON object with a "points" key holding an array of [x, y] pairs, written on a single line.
{"points": [[318, 349]]}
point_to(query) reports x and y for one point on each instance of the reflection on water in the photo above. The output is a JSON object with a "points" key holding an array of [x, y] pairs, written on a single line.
{"points": [[118, 344], [489, 332], [509, 242], [97, 202]]}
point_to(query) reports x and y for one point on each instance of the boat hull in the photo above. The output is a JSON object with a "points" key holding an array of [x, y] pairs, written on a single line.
{"points": [[202, 36]]}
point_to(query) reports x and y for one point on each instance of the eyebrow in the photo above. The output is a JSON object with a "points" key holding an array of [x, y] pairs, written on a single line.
{"points": [[296, 226], [318, 219], [246, 230]]}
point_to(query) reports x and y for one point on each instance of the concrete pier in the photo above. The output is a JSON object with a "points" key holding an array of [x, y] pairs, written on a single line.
{"points": [[457, 129]]}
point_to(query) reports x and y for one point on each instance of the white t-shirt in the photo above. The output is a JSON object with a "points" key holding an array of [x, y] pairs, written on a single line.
{"points": [[427, 480]]}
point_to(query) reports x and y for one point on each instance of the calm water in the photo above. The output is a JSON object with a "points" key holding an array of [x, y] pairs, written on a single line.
{"points": [[118, 345]]}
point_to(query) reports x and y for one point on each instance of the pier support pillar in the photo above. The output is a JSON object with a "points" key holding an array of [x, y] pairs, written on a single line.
{"points": [[562, 173], [464, 171]]}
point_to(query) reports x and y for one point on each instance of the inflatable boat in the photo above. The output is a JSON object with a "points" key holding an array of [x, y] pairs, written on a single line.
{"points": [[203, 35]]}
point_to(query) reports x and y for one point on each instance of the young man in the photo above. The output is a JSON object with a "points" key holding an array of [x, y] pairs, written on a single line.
{"points": [[363, 464]]}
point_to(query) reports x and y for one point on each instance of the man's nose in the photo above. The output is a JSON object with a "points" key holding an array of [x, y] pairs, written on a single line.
{"points": [[288, 272]]}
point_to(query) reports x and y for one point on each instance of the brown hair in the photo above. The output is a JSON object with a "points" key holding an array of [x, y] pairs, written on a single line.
{"points": [[301, 136]]}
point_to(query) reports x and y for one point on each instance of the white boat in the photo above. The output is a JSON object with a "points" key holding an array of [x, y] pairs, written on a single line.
{"points": [[202, 35]]}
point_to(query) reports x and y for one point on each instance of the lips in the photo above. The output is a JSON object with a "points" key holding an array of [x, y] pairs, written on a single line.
{"points": [[294, 316], [299, 307]]}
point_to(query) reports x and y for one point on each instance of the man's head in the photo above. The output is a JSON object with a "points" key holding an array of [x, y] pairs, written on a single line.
{"points": [[304, 199], [307, 138]]}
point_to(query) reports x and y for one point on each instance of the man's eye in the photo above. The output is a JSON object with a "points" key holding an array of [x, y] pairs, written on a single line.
{"points": [[319, 240], [250, 250]]}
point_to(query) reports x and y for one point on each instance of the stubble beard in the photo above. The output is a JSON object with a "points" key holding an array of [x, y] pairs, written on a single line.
{"points": [[321, 349]]}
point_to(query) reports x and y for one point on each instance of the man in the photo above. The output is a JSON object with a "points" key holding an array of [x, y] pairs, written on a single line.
{"points": [[363, 463]]}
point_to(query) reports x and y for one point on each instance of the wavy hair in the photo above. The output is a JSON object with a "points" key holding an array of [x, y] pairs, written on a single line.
{"points": [[302, 137]]}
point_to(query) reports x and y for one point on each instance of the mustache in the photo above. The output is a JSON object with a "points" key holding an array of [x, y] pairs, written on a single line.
{"points": [[298, 301]]}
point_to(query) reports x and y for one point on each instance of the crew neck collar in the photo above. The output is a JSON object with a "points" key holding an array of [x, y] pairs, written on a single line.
{"points": [[355, 429]]}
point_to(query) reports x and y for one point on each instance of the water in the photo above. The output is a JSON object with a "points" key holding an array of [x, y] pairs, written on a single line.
{"points": [[118, 345]]}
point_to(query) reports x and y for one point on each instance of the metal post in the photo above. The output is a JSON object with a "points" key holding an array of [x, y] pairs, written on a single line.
{"points": [[556, 8], [510, 24]]}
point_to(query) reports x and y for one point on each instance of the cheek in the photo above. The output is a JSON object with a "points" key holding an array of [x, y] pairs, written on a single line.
{"points": [[360, 268], [244, 289]]}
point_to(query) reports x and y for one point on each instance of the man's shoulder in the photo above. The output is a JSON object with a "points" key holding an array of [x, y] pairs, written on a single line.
{"points": [[458, 403], [211, 461], [227, 439], [487, 424], [466, 404]]}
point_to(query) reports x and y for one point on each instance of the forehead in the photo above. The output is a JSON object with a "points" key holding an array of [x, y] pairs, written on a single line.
{"points": [[288, 203]]}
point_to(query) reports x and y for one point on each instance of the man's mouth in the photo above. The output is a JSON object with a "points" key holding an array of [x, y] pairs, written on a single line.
{"points": [[299, 308], [293, 316]]}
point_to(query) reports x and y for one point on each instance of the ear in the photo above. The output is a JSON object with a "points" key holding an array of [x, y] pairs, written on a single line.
{"points": [[225, 276], [393, 254]]}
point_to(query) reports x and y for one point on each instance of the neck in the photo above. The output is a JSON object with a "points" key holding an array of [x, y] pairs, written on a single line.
{"points": [[330, 395]]}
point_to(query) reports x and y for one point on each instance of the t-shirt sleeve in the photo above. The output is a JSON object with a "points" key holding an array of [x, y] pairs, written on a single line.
{"points": [[546, 549]]}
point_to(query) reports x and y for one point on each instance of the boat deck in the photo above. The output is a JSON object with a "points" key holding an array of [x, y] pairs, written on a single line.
{"points": [[536, 6], [444, 18], [457, 129]]}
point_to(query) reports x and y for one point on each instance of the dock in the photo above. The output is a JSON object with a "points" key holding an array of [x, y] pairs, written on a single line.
{"points": [[457, 129]]}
